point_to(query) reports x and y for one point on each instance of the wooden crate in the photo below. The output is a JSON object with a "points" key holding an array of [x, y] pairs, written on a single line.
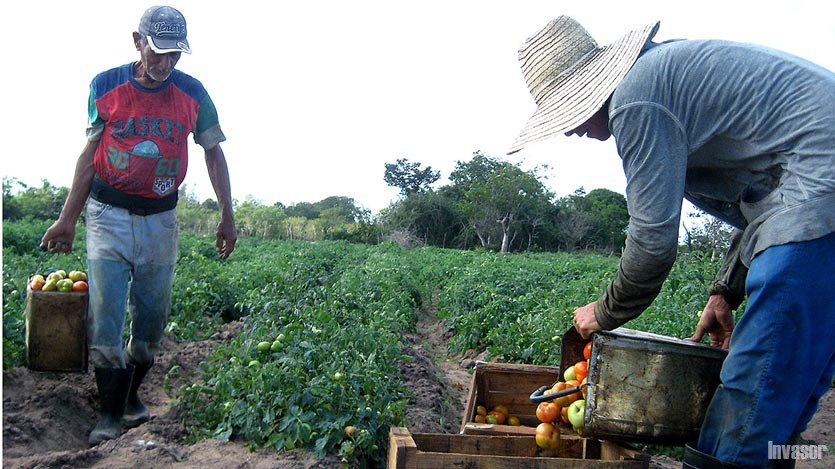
{"points": [[439, 450], [56, 331], [511, 385]]}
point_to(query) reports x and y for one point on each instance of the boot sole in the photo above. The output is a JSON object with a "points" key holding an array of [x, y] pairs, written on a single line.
{"points": [[134, 422]]}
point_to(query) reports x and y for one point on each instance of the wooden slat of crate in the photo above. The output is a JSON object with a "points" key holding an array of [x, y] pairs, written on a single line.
{"points": [[435, 450], [508, 384]]}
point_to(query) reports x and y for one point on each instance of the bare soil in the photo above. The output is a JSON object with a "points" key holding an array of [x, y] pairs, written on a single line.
{"points": [[48, 416]]}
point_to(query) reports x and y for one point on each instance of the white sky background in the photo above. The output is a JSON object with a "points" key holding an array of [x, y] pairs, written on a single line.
{"points": [[316, 96]]}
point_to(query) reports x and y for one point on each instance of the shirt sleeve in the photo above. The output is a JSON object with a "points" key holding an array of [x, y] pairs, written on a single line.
{"points": [[95, 124], [653, 147], [207, 132]]}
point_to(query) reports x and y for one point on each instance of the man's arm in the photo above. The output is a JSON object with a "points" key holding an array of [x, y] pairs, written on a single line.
{"points": [[59, 237], [219, 175], [726, 294], [653, 148]]}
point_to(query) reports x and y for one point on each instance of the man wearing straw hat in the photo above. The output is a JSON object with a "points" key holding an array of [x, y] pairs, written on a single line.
{"points": [[747, 134], [141, 115]]}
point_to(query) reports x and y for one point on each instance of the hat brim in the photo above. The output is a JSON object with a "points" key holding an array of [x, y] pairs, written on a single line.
{"points": [[166, 46], [574, 99]]}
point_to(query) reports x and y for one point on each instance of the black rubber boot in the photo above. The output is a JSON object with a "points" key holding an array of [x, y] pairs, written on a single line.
{"points": [[113, 384], [695, 459], [135, 411]]}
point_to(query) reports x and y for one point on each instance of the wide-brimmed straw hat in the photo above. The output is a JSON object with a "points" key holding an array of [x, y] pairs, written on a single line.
{"points": [[570, 76]]}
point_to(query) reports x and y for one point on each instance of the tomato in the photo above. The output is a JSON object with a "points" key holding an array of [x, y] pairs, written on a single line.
{"points": [[349, 430], [481, 410], [492, 418], [77, 275], [501, 417], [37, 282], [558, 386], [64, 285], [547, 436], [547, 411], [564, 415], [80, 285], [564, 401], [479, 419], [264, 346], [514, 421], [502, 408], [587, 351], [581, 370]]}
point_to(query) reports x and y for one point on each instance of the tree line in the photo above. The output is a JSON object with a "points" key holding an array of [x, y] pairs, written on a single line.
{"points": [[488, 203]]}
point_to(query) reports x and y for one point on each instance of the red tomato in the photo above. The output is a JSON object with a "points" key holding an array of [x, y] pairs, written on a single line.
{"points": [[581, 370], [564, 401], [587, 350], [564, 415], [547, 411]]}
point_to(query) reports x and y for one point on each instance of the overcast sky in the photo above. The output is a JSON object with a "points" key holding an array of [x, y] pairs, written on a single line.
{"points": [[316, 96]]}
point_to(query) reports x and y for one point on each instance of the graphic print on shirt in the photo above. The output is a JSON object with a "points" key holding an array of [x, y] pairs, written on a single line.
{"points": [[166, 169]]}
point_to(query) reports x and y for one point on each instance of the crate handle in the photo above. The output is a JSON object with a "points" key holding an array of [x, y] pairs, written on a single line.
{"points": [[538, 397]]}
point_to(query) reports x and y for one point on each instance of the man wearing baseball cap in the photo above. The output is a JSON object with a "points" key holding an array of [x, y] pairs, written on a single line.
{"points": [[127, 176], [746, 134]]}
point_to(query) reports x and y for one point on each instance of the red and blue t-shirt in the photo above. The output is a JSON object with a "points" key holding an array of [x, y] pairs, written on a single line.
{"points": [[143, 132]]}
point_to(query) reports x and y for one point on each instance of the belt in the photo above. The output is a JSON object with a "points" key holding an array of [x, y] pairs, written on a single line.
{"points": [[135, 204]]}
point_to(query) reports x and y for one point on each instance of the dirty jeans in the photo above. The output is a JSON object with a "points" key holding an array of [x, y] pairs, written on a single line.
{"points": [[131, 262], [781, 358]]}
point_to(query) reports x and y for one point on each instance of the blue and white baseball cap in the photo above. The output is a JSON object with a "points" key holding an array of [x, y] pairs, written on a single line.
{"points": [[165, 29]]}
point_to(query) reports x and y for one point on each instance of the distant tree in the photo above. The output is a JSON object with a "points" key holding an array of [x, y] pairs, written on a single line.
{"points": [[253, 218], [304, 210], [596, 220], [707, 234], [503, 198], [611, 218], [39, 203], [343, 209], [408, 177], [478, 169], [431, 217]]}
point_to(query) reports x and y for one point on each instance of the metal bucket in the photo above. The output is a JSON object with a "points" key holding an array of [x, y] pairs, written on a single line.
{"points": [[56, 331], [644, 387]]}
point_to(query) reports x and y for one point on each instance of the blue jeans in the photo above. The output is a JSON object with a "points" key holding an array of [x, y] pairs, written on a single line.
{"points": [[781, 358], [131, 261]]}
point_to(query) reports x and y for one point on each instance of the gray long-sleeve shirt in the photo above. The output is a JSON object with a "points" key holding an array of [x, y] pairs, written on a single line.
{"points": [[744, 132]]}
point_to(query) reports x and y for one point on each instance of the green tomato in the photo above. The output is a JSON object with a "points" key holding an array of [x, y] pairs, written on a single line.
{"points": [[64, 285], [264, 346]]}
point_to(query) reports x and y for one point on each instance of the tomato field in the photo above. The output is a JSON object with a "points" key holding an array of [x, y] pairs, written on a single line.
{"points": [[330, 317]]}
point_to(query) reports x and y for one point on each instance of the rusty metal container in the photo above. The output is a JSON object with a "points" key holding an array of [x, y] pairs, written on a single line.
{"points": [[644, 387], [56, 331]]}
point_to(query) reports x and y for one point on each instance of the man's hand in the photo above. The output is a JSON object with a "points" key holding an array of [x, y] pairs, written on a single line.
{"points": [[226, 238], [58, 237], [717, 320], [585, 322]]}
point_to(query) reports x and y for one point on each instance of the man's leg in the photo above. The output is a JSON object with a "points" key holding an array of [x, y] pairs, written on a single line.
{"points": [[109, 271], [150, 301], [780, 352]]}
